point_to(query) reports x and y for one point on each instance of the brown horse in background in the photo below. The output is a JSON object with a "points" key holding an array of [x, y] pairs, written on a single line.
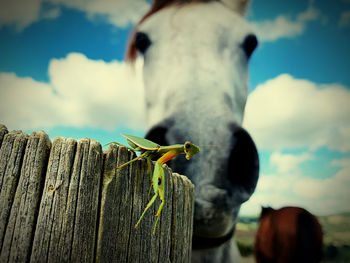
{"points": [[286, 235]]}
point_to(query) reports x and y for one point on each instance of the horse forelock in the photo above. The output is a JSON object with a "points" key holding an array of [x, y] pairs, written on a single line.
{"points": [[239, 6], [132, 52]]}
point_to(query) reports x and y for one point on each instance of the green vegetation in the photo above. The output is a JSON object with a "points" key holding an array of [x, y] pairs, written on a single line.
{"points": [[336, 228], [245, 249], [245, 233]]}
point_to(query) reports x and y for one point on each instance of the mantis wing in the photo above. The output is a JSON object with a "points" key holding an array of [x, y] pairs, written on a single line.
{"points": [[141, 142]]}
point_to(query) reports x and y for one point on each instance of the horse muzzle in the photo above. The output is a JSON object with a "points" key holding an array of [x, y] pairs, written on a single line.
{"points": [[218, 200]]}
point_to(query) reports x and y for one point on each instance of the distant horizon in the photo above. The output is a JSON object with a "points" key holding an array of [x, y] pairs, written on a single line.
{"points": [[318, 215]]}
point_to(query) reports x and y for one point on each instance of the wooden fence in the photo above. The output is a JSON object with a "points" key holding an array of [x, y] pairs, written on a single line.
{"points": [[65, 201]]}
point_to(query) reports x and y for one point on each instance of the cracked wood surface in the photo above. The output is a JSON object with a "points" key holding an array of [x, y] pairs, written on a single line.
{"points": [[65, 201]]}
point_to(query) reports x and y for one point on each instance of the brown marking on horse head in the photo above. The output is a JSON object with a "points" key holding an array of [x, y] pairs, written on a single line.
{"points": [[132, 52]]}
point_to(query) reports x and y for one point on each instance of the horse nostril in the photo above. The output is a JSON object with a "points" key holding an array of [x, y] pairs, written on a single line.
{"points": [[249, 44], [243, 166], [142, 42]]}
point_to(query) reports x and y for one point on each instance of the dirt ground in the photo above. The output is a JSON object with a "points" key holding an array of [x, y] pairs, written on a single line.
{"points": [[249, 259]]}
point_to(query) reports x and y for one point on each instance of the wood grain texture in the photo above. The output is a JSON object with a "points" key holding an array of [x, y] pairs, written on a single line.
{"points": [[20, 229], [3, 131], [50, 229], [11, 158], [124, 197], [68, 202]]}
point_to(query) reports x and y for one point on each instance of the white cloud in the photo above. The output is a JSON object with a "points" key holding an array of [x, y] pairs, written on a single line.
{"points": [[26, 102], [19, 13], [310, 14], [285, 163], [119, 13], [320, 196], [81, 93], [275, 191], [332, 194], [284, 27], [22, 13], [289, 113], [280, 27], [344, 19], [51, 13]]}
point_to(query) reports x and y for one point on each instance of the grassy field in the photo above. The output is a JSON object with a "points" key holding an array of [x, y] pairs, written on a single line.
{"points": [[336, 229]]}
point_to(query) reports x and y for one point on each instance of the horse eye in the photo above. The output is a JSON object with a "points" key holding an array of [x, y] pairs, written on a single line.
{"points": [[142, 42], [249, 44]]}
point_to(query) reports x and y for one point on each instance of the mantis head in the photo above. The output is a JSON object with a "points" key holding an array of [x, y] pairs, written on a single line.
{"points": [[190, 149]]}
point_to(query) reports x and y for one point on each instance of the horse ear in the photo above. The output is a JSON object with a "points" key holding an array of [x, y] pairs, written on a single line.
{"points": [[265, 210], [239, 6], [162, 2]]}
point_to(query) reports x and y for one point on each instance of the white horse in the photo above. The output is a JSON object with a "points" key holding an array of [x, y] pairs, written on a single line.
{"points": [[196, 57]]}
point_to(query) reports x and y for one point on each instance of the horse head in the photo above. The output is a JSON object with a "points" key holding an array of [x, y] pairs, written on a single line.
{"points": [[196, 56], [288, 234]]}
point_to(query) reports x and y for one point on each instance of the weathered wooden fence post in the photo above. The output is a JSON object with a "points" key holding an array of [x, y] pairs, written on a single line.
{"points": [[67, 202]]}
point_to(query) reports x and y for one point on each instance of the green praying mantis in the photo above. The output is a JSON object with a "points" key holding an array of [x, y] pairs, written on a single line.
{"points": [[151, 150]]}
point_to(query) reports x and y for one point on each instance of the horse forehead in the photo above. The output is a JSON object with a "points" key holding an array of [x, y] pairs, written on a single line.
{"points": [[185, 18]]}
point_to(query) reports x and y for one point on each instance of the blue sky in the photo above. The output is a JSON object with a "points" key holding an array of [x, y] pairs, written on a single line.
{"points": [[62, 70]]}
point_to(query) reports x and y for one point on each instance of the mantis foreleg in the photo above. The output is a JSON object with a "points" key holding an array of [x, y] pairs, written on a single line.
{"points": [[148, 206], [133, 160], [158, 185], [161, 196], [150, 173]]}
